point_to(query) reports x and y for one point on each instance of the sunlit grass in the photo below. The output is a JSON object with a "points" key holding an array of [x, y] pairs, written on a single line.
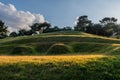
{"points": [[63, 67], [47, 59]]}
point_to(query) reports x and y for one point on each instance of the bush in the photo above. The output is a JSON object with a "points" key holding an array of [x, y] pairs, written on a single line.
{"points": [[23, 50], [59, 48]]}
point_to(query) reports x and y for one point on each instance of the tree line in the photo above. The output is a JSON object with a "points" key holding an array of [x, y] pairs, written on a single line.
{"points": [[108, 26], [36, 28]]}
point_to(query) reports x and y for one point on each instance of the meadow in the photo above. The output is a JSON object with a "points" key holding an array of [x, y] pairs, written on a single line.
{"points": [[90, 57]]}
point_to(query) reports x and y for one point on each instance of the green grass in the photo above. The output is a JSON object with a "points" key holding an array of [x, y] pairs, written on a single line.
{"points": [[100, 48], [79, 67], [41, 43], [91, 57]]}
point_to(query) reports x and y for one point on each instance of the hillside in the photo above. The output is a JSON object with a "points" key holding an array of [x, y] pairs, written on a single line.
{"points": [[78, 42], [39, 57]]}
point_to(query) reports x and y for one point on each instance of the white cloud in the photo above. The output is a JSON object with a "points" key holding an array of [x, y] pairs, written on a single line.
{"points": [[15, 19]]}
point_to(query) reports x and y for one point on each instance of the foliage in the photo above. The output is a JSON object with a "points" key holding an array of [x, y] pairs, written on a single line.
{"points": [[108, 20], [13, 34], [41, 27], [57, 29], [82, 23], [22, 32], [52, 29], [97, 29], [107, 26], [67, 28], [3, 30]]}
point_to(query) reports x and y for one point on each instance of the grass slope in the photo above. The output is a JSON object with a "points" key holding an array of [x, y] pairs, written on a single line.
{"points": [[92, 57], [78, 41]]}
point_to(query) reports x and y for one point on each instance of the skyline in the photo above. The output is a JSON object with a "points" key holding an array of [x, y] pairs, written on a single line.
{"points": [[64, 13]]}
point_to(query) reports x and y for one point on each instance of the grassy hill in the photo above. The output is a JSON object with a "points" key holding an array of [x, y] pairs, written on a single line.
{"points": [[88, 57], [78, 42]]}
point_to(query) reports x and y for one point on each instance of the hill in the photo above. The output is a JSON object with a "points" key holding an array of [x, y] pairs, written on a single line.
{"points": [[78, 42]]}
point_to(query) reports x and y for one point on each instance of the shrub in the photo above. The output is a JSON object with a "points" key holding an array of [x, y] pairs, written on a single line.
{"points": [[59, 48], [23, 50]]}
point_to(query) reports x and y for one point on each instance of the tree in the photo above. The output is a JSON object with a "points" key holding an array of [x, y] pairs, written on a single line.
{"points": [[22, 32], [97, 29], [13, 34], [82, 23], [44, 26], [52, 29], [108, 20], [41, 27], [56, 28], [3, 30], [35, 27], [109, 25], [28, 32], [67, 28]]}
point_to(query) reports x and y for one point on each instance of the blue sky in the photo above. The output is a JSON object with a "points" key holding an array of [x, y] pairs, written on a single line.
{"points": [[64, 12]]}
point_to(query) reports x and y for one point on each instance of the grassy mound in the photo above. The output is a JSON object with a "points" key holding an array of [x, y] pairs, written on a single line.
{"points": [[75, 67], [22, 50], [86, 43], [58, 48]]}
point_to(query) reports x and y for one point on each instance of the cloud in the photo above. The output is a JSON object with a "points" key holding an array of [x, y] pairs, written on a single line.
{"points": [[16, 20]]}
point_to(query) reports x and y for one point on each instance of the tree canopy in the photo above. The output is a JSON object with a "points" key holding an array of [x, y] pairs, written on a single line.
{"points": [[107, 26], [82, 23], [3, 30]]}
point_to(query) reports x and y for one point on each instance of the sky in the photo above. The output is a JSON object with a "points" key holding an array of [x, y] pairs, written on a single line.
{"points": [[61, 12]]}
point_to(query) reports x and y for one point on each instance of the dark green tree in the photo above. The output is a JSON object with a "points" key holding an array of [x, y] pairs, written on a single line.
{"points": [[21, 32], [82, 23], [56, 28], [108, 20], [13, 34], [67, 28], [3, 30], [52, 29], [44, 26], [41, 27], [97, 29], [35, 27], [110, 25]]}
